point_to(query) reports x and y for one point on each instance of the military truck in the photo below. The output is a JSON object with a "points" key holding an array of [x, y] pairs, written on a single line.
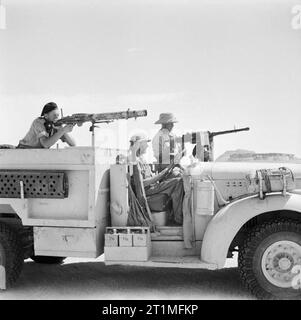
{"points": [[76, 202]]}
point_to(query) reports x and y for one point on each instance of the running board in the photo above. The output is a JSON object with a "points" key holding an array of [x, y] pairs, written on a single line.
{"points": [[188, 262], [167, 233]]}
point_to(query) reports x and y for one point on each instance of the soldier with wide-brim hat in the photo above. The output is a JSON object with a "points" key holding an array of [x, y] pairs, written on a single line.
{"points": [[164, 143], [166, 118]]}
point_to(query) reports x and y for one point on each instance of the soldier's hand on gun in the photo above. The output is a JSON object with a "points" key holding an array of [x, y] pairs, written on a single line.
{"points": [[68, 128]]}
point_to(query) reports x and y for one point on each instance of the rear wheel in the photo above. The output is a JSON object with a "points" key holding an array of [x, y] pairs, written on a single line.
{"points": [[270, 260], [48, 259], [11, 254]]}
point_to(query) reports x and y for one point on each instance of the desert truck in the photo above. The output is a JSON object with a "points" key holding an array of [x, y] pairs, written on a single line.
{"points": [[77, 202]]}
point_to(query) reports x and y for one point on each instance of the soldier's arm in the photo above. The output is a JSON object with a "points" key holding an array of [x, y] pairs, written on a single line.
{"points": [[49, 142], [156, 178], [69, 140], [148, 181]]}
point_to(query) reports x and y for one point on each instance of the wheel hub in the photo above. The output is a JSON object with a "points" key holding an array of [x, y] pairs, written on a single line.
{"points": [[278, 261], [284, 264]]}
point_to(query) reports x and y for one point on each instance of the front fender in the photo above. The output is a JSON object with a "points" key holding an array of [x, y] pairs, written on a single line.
{"points": [[227, 222]]}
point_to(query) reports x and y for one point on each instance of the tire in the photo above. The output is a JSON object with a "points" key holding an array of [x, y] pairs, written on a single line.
{"points": [[267, 259], [48, 259], [11, 254]]}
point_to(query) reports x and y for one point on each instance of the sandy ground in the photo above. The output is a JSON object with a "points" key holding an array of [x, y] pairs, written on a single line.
{"points": [[91, 279]]}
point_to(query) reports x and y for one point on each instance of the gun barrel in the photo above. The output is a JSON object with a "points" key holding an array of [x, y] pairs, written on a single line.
{"points": [[217, 133], [119, 115]]}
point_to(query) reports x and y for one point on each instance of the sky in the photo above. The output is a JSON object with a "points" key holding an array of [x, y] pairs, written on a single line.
{"points": [[214, 64]]}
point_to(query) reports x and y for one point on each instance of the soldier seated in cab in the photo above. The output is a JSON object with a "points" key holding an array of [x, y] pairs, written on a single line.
{"points": [[162, 183]]}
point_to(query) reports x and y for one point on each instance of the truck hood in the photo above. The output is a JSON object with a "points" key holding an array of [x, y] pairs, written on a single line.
{"points": [[238, 170]]}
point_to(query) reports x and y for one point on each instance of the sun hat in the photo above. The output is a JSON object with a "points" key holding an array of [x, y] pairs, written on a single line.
{"points": [[166, 118], [139, 137]]}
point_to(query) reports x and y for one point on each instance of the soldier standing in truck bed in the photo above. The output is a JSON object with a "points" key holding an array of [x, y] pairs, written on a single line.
{"points": [[43, 133], [164, 143]]}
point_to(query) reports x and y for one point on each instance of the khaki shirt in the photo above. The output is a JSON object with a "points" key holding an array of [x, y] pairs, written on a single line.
{"points": [[165, 141], [35, 133], [145, 168]]}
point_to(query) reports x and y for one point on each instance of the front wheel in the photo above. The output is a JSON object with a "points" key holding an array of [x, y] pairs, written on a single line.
{"points": [[269, 261], [48, 259]]}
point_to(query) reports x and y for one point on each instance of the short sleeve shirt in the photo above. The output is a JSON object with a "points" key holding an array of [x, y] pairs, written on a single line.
{"points": [[36, 132]]}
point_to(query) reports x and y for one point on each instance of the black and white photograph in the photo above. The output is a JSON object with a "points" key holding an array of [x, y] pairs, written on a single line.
{"points": [[150, 152]]}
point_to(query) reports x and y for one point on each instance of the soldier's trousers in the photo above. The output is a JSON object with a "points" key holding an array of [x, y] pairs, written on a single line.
{"points": [[175, 190]]}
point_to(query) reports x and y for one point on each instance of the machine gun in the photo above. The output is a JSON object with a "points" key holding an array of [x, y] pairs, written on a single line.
{"points": [[95, 118], [80, 118], [202, 150], [193, 136]]}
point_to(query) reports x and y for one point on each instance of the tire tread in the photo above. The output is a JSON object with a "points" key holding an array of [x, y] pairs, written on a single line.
{"points": [[246, 251]]}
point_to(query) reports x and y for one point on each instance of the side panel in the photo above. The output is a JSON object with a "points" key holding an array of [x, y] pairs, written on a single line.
{"points": [[228, 221], [73, 226], [73, 211], [65, 242], [88, 179], [74, 207]]}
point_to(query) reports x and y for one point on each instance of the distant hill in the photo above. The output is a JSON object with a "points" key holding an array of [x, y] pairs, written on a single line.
{"points": [[250, 156], [225, 157]]}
